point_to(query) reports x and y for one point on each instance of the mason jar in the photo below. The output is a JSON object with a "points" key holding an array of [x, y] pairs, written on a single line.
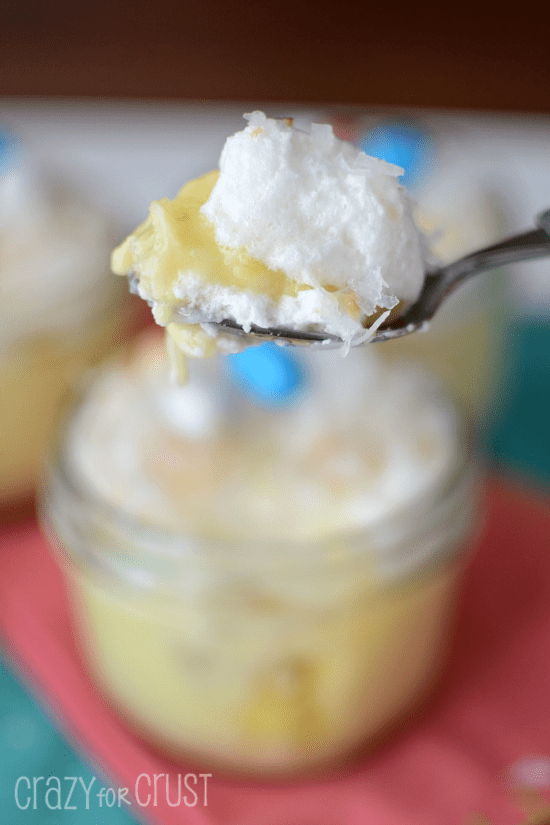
{"points": [[60, 309], [464, 342], [252, 604]]}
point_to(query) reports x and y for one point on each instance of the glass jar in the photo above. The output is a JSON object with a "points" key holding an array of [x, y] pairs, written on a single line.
{"points": [[60, 309], [253, 632], [463, 344]]}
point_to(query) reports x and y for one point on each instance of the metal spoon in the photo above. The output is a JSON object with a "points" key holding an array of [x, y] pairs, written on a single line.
{"points": [[438, 285]]}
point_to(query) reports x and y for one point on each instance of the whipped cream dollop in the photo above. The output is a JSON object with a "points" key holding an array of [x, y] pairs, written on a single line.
{"points": [[319, 209]]}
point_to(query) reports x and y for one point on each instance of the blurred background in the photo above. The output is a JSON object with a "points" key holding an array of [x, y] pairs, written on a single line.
{"points": [[109, 105]]}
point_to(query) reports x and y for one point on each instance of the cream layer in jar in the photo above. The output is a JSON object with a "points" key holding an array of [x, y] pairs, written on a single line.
{"points": [[264, 590]]}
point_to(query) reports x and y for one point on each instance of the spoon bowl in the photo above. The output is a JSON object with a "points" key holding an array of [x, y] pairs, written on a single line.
{"points": [[438, 285]]}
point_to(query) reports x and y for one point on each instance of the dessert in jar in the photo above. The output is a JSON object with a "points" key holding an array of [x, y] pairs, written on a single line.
{"points": [[262, 589], [265, 581], [60, 310], [465, 341]]}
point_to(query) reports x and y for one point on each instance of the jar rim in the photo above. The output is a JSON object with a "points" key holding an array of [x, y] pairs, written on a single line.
{"points": [[410, 522]]}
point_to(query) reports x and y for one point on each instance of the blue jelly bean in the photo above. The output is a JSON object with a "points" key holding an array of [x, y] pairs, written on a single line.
{"points": [[403, 143], [269, 374], [9, 149]]}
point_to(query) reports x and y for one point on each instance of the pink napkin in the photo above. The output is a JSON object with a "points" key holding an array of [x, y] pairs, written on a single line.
{"points": [[486, 731]]}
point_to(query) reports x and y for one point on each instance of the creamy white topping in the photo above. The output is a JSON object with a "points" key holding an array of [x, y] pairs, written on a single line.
{"points": [[320, 210], [362, 442]]}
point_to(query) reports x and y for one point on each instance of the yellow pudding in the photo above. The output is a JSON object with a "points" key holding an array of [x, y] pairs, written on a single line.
{"points": [[176, 237], [332, 679]]}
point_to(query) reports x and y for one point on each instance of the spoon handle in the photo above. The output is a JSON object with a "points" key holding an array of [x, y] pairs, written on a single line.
{"points": [[524, 247]]}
